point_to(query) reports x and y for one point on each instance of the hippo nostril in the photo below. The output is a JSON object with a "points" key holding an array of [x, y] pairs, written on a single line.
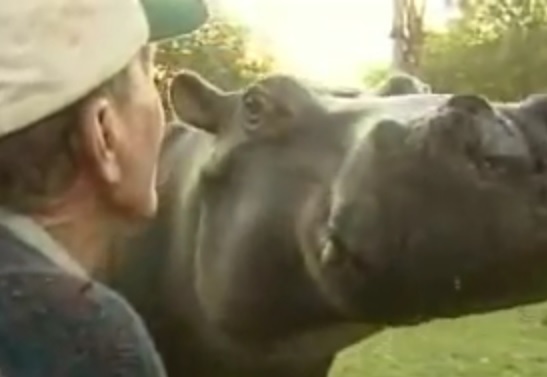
{"points": [[539, 166], [338, 243], [330, 254], [337, 251], [332, 247]]}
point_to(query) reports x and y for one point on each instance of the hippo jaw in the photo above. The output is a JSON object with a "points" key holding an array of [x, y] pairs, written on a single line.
{"points": [[437, 218]]}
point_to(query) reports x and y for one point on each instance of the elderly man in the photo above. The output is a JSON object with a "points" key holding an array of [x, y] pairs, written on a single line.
{"points": [[80, 132]]}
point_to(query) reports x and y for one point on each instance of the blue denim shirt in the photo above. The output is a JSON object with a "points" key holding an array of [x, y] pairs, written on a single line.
{"points": [[57, 322]]}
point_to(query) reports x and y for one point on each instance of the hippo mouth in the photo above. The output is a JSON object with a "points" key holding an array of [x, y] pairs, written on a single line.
{"points": [[423, 213]]}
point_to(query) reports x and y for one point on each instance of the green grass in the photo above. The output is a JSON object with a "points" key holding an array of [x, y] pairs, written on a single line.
{"points": [[511, 343]]}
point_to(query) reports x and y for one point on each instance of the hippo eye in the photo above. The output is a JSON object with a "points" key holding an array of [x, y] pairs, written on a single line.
{"points": [[253, 104], [254, 107]]}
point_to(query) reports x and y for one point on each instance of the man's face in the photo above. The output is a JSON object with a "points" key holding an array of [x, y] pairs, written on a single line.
{"points": [[144, 120], [129, 130]]}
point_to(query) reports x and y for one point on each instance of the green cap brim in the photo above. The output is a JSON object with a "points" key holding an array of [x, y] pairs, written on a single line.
{"points": [[173, 18]]}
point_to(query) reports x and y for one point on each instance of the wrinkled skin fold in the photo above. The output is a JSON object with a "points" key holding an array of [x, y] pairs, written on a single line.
{"points": [[295, 221]]}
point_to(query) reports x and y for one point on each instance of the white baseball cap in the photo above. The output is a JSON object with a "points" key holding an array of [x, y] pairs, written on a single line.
{"points": [[54, 52]]}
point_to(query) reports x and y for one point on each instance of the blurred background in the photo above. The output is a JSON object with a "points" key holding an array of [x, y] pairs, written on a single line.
{"points": [[496, 47]]}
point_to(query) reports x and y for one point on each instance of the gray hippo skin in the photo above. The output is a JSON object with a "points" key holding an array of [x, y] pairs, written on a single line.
{"points": [[294, 223]]}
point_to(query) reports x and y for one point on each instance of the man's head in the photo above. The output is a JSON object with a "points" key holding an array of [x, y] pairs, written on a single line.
{"points": [[79, 111]]}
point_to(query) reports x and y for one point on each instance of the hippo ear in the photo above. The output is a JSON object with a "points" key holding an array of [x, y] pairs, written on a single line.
{"points": [[196, 101]]}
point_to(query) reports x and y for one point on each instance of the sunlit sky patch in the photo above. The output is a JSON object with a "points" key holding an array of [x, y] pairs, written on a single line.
{"points": [[330, 41]]}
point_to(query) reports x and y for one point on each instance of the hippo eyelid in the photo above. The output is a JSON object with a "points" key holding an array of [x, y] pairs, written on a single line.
{"points": [[254, 104], [249, 102]]}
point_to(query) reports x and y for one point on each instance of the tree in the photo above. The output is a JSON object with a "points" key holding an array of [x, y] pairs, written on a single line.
{"points": [[220, 50], [376, 75], [496, 48], [407, 33]]}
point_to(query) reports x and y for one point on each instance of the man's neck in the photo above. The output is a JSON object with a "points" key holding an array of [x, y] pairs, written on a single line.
{"points": [[79, 235], [79, 224]]}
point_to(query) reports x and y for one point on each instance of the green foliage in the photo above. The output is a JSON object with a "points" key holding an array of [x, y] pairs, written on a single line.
{"points": [[220, 51], [376, 75], [496, 48]]}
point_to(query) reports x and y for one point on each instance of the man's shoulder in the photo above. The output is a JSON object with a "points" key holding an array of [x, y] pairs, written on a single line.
{"points": [[61, 306], [31, 286], [65, 292], [30, 280], [56, 320], [63, 324], [15, 254]]}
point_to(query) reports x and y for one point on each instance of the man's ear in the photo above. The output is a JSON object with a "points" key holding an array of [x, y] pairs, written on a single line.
{"points": [[101, 137], [196, 101]]}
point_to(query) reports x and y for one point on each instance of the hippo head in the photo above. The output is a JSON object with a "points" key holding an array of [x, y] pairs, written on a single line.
{"points": [[386, 210], [396, 84], [402, 84]]}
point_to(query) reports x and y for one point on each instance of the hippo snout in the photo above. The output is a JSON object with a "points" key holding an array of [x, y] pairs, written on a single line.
{"points": [[432, 166], [468, 127], [416, 198]]}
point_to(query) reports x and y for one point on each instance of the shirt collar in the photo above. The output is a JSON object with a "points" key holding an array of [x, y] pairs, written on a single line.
{"points": [[34, 235]]}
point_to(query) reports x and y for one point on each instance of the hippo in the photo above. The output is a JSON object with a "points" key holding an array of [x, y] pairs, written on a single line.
{"points": [[294, 223], [401, 83], [396, 84]]}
